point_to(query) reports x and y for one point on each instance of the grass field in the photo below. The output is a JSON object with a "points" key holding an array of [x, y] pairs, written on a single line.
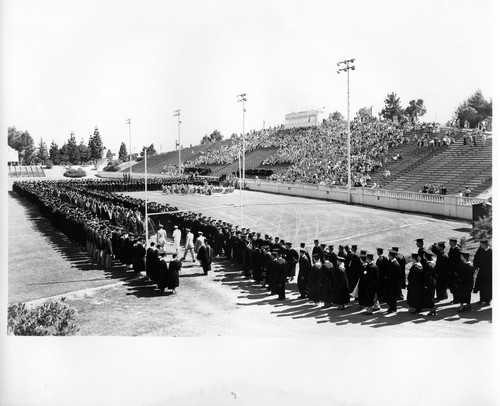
{"points": [[45, 264]]}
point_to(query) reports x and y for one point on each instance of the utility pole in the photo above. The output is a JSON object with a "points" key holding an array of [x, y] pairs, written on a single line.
{"points": [[348, 65], [177, 113], [129, 122], [243, 98]]}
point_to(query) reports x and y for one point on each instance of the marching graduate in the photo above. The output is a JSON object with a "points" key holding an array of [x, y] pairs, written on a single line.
{"points": [[483, 263], [279, 268], [368, 284], [152, 262], [314, 280], [393, 282], [139, 262], [304, 269], [204, 256], [353, 266], [326, 280], [402, 264], [162, 271], [415, 295], [454, 261], [442, 271], [340, 292], [172, 280], [429, 281], [465, 282], [317, 250], [382, 266]]}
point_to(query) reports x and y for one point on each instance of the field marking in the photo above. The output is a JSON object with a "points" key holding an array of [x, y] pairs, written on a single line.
{"points": [[377, 231]]}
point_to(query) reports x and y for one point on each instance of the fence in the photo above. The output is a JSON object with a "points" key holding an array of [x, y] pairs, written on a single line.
{"points": [[441, 205]]}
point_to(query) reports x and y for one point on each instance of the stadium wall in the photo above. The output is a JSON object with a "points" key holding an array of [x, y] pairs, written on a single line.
{"points": [[441, 205]]}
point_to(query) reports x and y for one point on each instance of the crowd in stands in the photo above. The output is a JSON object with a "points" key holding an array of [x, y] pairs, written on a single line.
{"points": [[433, 189]]}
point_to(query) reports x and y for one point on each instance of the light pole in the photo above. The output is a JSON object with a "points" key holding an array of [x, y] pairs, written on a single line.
{"points": [[348, 65], [128, 121], [177, 113], [243, 98]]}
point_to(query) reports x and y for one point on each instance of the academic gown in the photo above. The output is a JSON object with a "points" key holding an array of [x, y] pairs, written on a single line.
{"points": [[465, 282], [314, 282], [415, 297], [326, 282], [484, 275], [172, 280], [304, 269], [368, 283], [162, 274], [340, 292]]}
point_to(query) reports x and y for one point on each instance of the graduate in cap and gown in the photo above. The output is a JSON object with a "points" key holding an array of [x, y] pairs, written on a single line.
{"points": [[483, 262], [465, 282], [304, 269], [340, 292], [415, 295], [393, 282], [368, 284], [326, 281], [172, 280], [314, 281]]}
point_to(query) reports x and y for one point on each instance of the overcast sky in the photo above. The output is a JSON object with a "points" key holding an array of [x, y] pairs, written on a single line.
{"points": [[71, 65]]}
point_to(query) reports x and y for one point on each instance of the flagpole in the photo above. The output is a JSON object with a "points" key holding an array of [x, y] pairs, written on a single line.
{"points": [[241, 194], [146, 190]]}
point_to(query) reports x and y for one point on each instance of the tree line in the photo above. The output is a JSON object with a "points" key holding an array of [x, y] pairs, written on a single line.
{"points": [[69, 153]]}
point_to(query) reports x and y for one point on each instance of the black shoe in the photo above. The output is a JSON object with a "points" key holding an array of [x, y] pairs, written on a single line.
{"points": [[432, 313]]}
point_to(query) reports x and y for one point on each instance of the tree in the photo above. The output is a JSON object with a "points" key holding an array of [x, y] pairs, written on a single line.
{"points": [[96, 147], [336, 116], [73, 152], [214, 136], [109, 155], [392, 109], [84, 152], [149, 150], [22, 142], [54, 155], [122, 153], [63, 153], [415, 110], [42, 153], [474, 110]]}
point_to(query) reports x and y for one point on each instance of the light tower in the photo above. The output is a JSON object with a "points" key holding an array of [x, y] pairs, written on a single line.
{"points": [[129, 122], [177, 113], [243, 98], [348, 65]]}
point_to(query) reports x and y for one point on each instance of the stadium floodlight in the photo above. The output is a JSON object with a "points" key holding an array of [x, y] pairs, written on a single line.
{"points": [[177, 113], [129, 122], [243, 98], [347, 67]]}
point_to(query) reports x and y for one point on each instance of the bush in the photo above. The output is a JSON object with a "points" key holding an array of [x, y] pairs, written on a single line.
{"points": [[75, 173], [51, 318], [48, 164], [111, 168], [483, 228]]}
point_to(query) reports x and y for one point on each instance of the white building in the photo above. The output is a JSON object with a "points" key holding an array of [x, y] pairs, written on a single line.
{"points": [[302, 119]]}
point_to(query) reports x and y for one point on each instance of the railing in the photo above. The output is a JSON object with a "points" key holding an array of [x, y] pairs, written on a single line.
{"points": [[436, 204]]}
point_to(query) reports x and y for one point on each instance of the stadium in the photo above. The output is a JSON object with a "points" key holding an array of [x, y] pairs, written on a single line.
{"points": [[294, 191]]}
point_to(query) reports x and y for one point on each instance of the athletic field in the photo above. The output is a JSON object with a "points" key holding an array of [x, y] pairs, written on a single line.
{"points": [[44, 264]]}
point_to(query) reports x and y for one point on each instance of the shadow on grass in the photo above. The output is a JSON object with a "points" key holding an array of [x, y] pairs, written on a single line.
{"points": [[69, 250]]}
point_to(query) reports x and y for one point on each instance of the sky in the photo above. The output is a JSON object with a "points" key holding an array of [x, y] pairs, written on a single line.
{"points": [[68, 66]]}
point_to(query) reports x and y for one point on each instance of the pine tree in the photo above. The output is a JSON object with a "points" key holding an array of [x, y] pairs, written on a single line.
{"points": [[109, 155], [54, 155], [42, 152], [84, 152], [96, 146], [122, 153], [73, 152]]}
